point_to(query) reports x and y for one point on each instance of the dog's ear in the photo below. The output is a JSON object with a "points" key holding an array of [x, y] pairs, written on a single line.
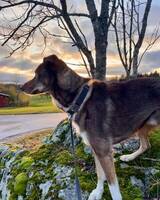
{"points": [[51, 58], [54, 64]]}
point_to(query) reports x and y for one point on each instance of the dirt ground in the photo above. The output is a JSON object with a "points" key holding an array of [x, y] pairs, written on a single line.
{"points": [[28, 141]]}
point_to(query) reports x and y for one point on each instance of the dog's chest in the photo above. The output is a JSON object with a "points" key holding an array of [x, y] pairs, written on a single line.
{"points": [[55, 101], [82, 134]]}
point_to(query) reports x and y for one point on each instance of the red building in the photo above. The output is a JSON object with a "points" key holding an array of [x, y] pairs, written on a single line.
{"points": [[4, 100]]}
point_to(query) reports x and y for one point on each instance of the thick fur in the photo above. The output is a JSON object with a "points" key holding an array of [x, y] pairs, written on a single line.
{"points": [[112, 113]]}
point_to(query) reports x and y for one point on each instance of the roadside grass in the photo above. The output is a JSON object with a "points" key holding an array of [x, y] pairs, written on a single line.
{"points": [[38, 104]]}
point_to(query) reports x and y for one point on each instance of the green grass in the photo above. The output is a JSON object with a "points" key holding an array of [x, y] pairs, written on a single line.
{"points": [[38, 104]]}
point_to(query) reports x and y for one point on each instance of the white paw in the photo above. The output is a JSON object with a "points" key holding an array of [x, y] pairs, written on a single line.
{"points": [[126, 158], [96, 194]]}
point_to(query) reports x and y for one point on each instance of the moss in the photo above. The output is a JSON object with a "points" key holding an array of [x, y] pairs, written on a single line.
{"points": [[20, 183], [82, 155], [26, 162], [63, 158], [128, 191], [87, 181]]}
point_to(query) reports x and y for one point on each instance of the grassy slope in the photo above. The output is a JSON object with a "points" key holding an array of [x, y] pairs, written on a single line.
{"points": [[37, 104]]}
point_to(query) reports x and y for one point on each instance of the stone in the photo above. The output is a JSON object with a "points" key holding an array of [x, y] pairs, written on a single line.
{"points": [[137, 182]]}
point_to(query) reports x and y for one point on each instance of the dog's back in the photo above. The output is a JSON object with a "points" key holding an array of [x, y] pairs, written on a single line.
{"points": [[134, 102]]}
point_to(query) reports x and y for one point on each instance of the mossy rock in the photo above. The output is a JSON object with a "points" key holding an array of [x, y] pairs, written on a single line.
{"points": [[64, 157], [31, 169], [26, 162], [20, 183]]}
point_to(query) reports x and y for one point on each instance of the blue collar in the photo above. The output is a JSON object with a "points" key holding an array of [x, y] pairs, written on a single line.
{"points": [[74, 108]]}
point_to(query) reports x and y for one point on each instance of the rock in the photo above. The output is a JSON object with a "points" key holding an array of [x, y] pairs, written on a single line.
{"points": [[87, 150], [150, 171], [124, 165], [3, 150], [128, 145], [45, 188], [48, 173], [137, 182], [69, 193], [20, 197], [131, 144], [118, 148], [62, 134], [62, 174]]}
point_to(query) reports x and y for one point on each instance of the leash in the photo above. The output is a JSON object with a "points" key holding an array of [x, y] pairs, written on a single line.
{"points": [[78, 188], [74, 108]]}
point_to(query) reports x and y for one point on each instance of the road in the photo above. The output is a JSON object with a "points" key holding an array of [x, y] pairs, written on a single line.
{"points": [[11, 125]]}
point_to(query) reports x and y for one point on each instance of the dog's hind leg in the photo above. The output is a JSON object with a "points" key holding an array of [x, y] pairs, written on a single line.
{"points": [[144, 144], [97, 193]]}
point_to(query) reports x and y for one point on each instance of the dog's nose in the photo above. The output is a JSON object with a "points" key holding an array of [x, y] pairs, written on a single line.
{"points": [[23, 88]]}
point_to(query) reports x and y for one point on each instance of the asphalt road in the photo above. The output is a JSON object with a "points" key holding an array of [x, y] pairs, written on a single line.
{"points": [[11, 125]]}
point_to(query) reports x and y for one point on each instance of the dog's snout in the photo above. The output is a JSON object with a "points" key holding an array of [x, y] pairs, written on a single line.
{"points": [[27, 87], [22, 88]]}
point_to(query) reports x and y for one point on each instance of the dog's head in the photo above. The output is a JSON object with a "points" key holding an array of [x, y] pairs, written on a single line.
{"points": [[46, 75]]}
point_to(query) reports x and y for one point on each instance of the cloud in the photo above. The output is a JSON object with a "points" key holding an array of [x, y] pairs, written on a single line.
{"points": [[21, 64], [150, 62], [8, 77]]}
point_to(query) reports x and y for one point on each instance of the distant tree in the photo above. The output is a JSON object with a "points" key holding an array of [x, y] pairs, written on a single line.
{"points": [[17, 88], [35, 15], [130, 28]]}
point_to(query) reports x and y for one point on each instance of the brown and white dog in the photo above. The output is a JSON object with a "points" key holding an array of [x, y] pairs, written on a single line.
{"points": [[112, 112]]}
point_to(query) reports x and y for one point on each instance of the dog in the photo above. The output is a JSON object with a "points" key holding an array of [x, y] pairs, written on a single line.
{"points": [[110, 113]]}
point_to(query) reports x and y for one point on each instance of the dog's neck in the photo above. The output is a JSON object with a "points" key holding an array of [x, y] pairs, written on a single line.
{"points": [[66, 89]]}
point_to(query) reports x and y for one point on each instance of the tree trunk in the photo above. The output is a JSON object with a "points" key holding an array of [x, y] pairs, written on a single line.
{"points": [[135, 63], [101, 37], [128, 73], [101, 58]]}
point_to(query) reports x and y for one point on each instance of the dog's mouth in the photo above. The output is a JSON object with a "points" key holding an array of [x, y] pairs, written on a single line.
{"points": [[33, 89], [35, 92]]}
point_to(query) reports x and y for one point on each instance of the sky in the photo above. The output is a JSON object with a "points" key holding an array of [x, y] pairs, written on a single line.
{"points": [[21, 65]]}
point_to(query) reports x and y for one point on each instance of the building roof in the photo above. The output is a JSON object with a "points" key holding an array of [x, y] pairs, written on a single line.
{"points": [[3, 94]]}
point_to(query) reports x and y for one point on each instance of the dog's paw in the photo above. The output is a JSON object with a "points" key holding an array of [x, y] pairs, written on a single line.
{"points": [[126, 158], [96, 195]]}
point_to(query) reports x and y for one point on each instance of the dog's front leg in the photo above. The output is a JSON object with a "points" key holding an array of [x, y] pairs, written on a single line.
{"points": [[97, 193], [102, 149], [107, 163]]}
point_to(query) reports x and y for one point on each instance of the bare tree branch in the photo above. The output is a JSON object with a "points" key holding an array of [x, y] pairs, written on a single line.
{"points": [[141, 37], [131, 33], [42, 3], [17, 28], [76, 36], [20, 30]]}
